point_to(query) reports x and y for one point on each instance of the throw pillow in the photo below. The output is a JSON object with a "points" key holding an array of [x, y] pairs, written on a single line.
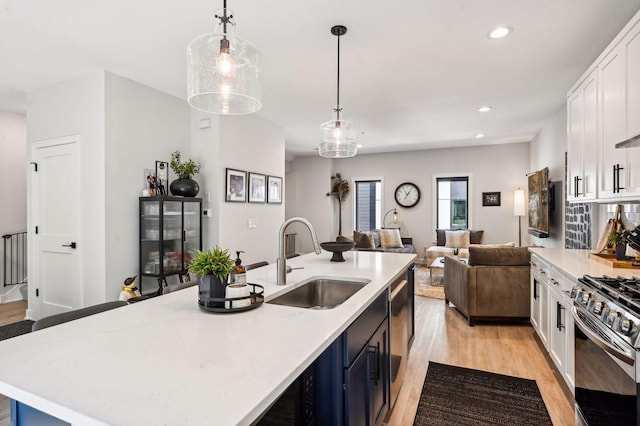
{"points": [[441, 238], [390, 238], [459, 239], [363, 240], [475, 236]]}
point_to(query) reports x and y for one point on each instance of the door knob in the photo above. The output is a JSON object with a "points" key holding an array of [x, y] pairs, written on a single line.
{"points": [[72, 245]]}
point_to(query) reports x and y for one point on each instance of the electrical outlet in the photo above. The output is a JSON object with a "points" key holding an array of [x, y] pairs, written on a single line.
{"points": [[252, 223]]}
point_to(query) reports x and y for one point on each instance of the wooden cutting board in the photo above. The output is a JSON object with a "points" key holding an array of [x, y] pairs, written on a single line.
{"points": [[611, 261]]}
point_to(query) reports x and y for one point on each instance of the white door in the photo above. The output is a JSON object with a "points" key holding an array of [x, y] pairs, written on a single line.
{"points": [[56, 216]]}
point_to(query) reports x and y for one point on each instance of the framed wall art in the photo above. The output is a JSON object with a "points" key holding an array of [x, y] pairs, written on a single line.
{"points": [[236, 184], [257, 188], [150, 183], [274, 185], [490, 199], [162, 178]]}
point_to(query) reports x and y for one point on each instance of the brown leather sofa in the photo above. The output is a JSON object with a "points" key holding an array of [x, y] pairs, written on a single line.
{"points": [[493, 286]]}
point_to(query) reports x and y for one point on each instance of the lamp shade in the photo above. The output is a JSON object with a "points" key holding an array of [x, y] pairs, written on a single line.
{"points": [[518, 202], [223, 73], [338, 139]]}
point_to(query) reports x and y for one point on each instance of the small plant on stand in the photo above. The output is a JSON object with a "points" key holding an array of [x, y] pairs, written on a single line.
{"points": [[212, 267], [617, 240]]}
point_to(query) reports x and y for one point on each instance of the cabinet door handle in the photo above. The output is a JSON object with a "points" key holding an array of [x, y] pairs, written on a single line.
{"points": [[559, 309], [72, 245], [618, 177], [615, 184], [535, 289], [375, 374]]}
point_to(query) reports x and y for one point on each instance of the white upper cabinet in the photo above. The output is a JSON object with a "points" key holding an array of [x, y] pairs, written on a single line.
{"points": [[613, 126], [602, 111], [582, 132]]}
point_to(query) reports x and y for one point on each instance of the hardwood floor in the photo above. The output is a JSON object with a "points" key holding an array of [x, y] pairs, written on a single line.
{"points": [[442, 335], [12, 312]]}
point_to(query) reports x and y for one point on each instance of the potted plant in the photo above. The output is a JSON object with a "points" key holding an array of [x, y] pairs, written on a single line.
{"points": [[339, 190], [616, 238], [184, 186], [212, 267]]}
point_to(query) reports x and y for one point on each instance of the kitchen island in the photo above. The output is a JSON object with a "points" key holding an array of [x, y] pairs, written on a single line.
{"points": [[166, 361]]}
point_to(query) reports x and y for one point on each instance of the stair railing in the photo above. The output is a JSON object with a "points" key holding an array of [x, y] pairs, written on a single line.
{"points": [[15, 258]]}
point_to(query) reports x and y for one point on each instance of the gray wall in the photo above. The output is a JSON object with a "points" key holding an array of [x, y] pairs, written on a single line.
{"points": [[13, 175], [548, 150], [495, 168], [142, 126]]}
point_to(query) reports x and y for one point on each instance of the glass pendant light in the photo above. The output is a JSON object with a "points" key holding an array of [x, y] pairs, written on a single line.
{"points": [[338, 137], [223, 70]]}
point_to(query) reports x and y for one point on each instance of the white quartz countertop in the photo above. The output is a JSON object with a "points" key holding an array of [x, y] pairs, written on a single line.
{"points": [[577, 263], [165, 361]]}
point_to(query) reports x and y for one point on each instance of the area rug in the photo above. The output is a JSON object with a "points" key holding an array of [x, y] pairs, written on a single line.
{"points": [[423, 286], [16, 329], [461, 396]]}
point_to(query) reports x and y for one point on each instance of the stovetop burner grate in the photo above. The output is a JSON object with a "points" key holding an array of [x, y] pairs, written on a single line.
{"points": [[625, 291]]}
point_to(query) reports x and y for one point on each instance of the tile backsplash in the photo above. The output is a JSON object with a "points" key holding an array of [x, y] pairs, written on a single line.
{"points": [[578, 225]]}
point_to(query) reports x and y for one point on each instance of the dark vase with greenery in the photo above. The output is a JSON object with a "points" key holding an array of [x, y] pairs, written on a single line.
{"points": [[184, 186], [212, 268]]}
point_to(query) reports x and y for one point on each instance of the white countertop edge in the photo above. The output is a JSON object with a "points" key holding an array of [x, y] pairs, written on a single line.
{"points": [[576, 263], [49, 407], [74, 416]]}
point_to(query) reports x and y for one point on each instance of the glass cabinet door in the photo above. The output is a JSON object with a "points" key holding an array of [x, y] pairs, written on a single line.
{"points": [[192, 232], [172, 237], [150, 237]]}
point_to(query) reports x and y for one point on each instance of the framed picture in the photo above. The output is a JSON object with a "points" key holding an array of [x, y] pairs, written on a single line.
{"points": [[274, 185], [162, 178], [490, 199], [257, 188], [150, 183], [236, 186]]}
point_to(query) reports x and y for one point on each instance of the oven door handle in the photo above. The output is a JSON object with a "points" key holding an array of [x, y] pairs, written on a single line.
{"points": [[612, 350]]}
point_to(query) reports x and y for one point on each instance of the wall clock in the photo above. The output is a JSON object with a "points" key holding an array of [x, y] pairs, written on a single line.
{"points": [[407, 194]]}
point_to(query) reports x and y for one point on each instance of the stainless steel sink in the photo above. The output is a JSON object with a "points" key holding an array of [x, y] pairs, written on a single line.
{"points": [[320, 293]]}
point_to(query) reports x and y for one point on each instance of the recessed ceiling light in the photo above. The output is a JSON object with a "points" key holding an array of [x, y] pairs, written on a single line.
{"points": [[485, 108], [479, 135], [500, 32], [359, 146]]}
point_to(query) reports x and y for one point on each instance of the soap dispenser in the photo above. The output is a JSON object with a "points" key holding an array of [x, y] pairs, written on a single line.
{"points": [[239, 274]]}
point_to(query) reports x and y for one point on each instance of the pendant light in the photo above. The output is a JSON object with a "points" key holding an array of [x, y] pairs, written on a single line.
{"points": [[223, 70], [338, 136]]}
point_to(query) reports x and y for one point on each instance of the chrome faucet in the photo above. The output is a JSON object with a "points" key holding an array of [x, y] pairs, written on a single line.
{"points": [[281, 262]]}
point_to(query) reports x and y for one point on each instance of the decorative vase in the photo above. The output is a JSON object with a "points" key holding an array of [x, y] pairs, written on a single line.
{"points": [[211, 287], [621, 251], [184, 187]]}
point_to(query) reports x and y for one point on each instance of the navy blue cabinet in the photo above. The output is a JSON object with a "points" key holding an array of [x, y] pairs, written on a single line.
{"points": [[351, 378], [367, 385]]}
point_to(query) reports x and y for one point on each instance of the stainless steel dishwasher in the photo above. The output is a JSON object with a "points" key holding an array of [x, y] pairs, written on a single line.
{"points": [[399, 336]]}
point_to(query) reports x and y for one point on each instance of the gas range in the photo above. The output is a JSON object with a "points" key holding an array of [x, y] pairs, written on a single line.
{"points": [[613, 301]]}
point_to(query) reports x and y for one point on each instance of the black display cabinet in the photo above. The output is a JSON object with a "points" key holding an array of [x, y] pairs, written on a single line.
{"points": [[170, 234]]}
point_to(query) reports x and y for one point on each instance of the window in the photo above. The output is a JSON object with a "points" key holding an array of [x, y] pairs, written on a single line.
{"points": [[452, 199], [368, 208]]}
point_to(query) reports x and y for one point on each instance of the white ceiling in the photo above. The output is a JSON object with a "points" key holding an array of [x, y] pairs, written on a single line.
{"points": [[413, 73]]}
